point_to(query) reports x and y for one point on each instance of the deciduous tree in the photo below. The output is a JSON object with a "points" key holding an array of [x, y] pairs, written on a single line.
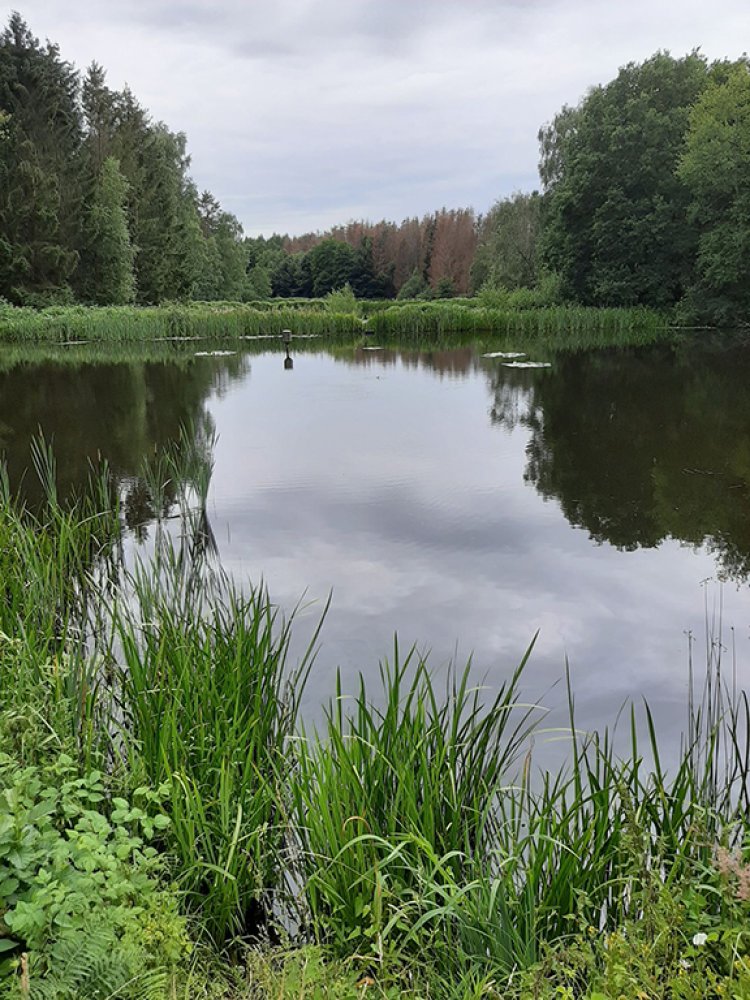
{"points": [[616, 212], [715, 167]]}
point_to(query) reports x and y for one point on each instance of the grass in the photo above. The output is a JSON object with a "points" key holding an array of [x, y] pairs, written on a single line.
{"points": [[198, 320], [409, 847], [560, 323], [338, 316], [392, 786], [209, 710]]}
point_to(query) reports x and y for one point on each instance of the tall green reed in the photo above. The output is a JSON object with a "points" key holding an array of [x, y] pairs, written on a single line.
{"points": [[389, 785], [121, 324], [49, 559], [556, 322], [335, 316], [422, 843], [209, 705]]}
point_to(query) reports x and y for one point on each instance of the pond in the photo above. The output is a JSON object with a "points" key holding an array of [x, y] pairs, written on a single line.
{"points": [[462, 503]]}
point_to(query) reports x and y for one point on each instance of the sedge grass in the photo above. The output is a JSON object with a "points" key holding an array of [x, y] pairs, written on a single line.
{"points": [[49, 682], [551, 323], [423, 768], [410, 856]]}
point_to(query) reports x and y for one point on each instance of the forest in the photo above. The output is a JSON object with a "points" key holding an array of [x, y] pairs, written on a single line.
{"points": [[643, 200]]}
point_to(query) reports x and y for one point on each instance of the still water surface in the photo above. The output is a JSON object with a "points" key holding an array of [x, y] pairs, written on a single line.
{"points": [[460, 503]]}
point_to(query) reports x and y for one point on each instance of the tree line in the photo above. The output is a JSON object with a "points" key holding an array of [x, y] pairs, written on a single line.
{"points": [[644, 200], [96, 202]]}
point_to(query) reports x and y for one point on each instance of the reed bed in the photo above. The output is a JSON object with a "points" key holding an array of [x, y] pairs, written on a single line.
{"points": [[209, 710], [557, 322], [412, 832], [196, 320], [410, 321]]}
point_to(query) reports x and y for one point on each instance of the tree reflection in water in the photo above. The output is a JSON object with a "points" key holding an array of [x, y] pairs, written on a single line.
{"points": [[641, 446]]}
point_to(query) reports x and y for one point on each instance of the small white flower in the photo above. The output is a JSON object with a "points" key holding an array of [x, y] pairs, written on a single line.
{"points": [[700, 938]]}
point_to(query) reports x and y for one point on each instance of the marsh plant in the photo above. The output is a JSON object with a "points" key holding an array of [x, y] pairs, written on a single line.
{"points": [[411, 837], [522, 314]]}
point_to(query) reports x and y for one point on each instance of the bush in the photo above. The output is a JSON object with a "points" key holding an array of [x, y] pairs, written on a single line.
{"points": [[78, 879], [342, 300]]}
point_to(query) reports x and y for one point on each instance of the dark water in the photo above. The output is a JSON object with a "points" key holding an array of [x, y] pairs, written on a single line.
{"points": [[463, 504]]}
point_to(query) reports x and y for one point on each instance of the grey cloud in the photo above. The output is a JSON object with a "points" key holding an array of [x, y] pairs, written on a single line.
{"points": [[304, 113]]}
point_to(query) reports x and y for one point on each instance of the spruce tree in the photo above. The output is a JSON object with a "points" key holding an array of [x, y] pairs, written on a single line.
{"points": [[40, 197]]}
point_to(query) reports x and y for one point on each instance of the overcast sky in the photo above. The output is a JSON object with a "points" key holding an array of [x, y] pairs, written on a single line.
{"points": [[304, 113]]}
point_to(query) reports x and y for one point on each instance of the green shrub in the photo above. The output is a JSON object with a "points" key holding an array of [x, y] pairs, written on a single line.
{"points": [[79, 878], [342, 300]]}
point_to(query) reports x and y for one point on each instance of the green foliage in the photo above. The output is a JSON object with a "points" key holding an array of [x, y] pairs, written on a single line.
{"points": [[211, 320], [420, 846], [290, 277], [342, 300], [258, 285], [304, 972], [412, 287], [616, 224], [366, 281], [715, 169], [513, 318], [544, 295], [330, 265], [445, 289], [507, 251], [223, 274], [82, 908], [670, 947], [165, 231], [394, 793], [107, 260], [210, 708], [39, 188], [70, 220]]}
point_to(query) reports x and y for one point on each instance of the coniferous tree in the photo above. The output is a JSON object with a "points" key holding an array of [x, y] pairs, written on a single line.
{"points": [[413, 287], [288, 277], [99, 107], [41, 193], [330, 266], [232, 255], [227, 256]]}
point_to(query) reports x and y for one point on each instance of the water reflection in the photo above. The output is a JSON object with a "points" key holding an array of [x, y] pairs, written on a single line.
{"points": [[446, 497], [643, 447], [126, 413], [637, 446]]}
